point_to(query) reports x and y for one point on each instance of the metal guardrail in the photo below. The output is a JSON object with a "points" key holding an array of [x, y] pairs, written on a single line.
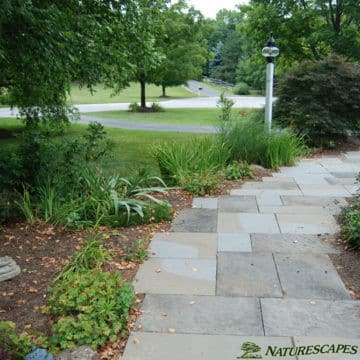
{"points": [[219, 82]]}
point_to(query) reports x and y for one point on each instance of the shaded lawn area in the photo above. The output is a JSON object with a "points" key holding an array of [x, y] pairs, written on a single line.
{"points": [[131, 148], [188, 116], [102, 95]]}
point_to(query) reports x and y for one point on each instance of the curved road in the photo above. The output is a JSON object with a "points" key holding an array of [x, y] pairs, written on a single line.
{"points": [[196, 102]]}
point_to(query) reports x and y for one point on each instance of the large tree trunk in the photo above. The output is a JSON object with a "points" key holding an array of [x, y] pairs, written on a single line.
{"points": [[142, 93], [163, 90]]}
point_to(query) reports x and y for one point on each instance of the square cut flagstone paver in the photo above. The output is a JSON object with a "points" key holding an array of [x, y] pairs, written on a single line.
{"points": [[238, 204], [278, 178], [344, 167], [324, 190], [269, 200], [234, 242], [352, 189], [201, 315], [309, 179], [314, 201], [265, 192], [247, 274], [325, 318], [345, 174], [343, 347], [176, 276], [296, 209], [342, 181], [247, 223], [205, 203], [307, 224], [155, 346], [184, 245], [306, 276], [292, 243], [270, 185], [195, 220]]}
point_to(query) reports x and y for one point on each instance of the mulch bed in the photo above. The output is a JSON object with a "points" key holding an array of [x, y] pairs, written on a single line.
{"points": [[40, 251]]}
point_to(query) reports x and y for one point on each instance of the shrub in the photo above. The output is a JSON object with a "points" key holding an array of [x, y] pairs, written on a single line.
{"points": [[155, 107], [241, 88], [350, 229], [134, 107], [249, 141], [320, 99]]}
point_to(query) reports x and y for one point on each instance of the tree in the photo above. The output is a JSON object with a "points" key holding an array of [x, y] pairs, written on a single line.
{"points": [[46, 44], [250, 349], [183, 45], [146, 24], [304, 29]]}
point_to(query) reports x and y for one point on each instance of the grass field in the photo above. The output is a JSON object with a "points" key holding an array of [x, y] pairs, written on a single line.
{"points": [[131, 150], [131, 94], [196, 117]]}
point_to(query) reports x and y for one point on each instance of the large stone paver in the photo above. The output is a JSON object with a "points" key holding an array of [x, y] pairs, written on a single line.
{"points": [[195, 220], [307, 224], [292, 243], [234, 242], [325, 201], [325, 318], [247, 223], [176, 276], [191, 315], [247, 274], [295, 209], [230, 204], [306, 276], [324, 190], [184, 245], [155, 346], [205, 203]]}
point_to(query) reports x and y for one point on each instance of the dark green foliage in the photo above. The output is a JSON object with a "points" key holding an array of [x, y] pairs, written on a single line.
{"points": [[225, 105], [241, 88], [320, 99]]}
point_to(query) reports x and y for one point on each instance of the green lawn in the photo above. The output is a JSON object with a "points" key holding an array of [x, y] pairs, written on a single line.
{"points": [[131, 94], [196, 117], [132, 149]]}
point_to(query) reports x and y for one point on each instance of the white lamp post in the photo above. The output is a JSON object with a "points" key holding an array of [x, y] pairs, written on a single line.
{"points": [[270, 51]]}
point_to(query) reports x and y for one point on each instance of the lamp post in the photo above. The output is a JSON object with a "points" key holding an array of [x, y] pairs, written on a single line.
{"points": [[270, 52]]}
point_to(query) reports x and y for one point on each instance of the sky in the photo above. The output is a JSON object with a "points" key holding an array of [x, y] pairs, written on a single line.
{"points": [[209, 8]]}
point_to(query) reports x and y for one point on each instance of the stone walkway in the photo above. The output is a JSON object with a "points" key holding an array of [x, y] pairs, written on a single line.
{"points": [[252, 267]]}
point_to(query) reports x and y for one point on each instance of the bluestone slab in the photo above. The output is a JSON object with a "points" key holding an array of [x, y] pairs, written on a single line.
{"points": [[195, 220], [314, 201], [234, 242], [307, 224], [310, 276], [238, 204], [205, 203], [176, 276], [324, 190], [247, 223], [201, 315], [184, 245], [269, 200], [247, 274], [325, 318], [292, 243], [296, 209], [153, 346]]}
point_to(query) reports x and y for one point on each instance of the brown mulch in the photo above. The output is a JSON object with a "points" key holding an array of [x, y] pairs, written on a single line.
{"points": [[42, 249]]}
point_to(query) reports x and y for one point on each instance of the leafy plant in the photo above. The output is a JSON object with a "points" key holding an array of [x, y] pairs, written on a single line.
{"points": [[91, 307], [134, 107], [320, 99], [201, 184], [156, 107], [238, 170], [16, 346], [225, 104]]}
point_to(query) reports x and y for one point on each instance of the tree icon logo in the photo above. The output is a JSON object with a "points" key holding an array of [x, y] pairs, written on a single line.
{"points": [[250, 349]]}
